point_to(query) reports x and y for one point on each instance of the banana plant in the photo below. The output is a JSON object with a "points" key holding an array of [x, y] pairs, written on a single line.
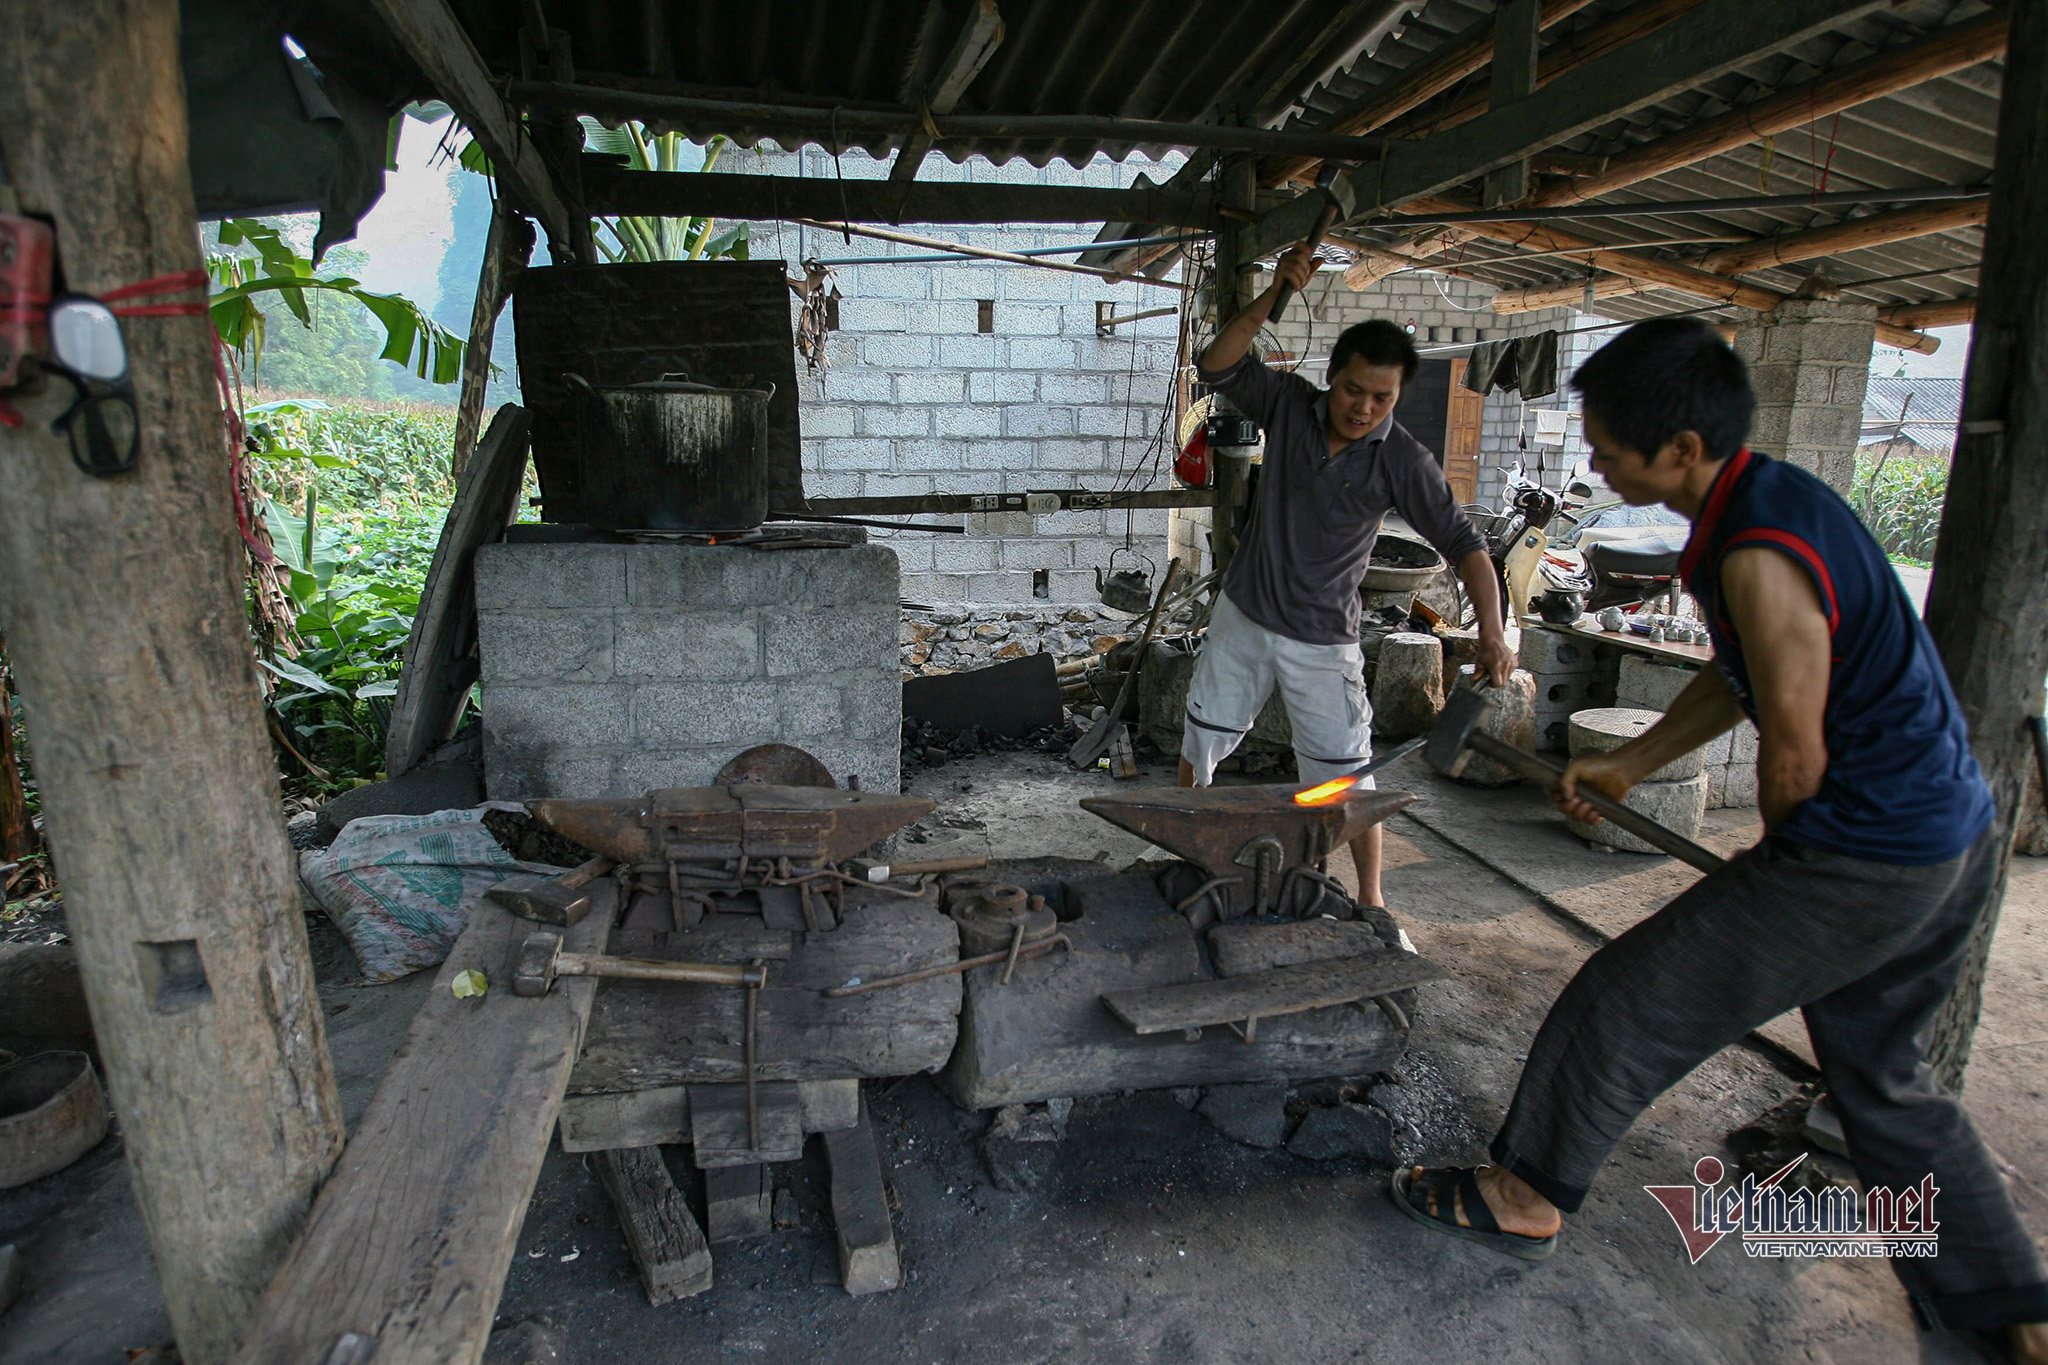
{"points": [[410, 336]]}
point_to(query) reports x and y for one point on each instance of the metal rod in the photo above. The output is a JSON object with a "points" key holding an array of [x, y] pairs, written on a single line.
{"points": [[830, 127], [1654, 209], [753, 1106], [864, 521], [1024, 251], [1105, 324], [965, 964], [990, 254]]}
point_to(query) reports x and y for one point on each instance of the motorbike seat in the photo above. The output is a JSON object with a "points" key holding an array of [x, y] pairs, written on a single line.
{"points": [[1620, 559]]}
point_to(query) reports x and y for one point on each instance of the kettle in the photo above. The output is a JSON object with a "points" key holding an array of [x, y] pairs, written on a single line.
{"points": [[1125, 589]]}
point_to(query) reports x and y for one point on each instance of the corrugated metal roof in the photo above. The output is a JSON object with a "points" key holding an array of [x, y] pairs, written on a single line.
{"points": [[1939, 132], [1926, 410], [1174, 60]]}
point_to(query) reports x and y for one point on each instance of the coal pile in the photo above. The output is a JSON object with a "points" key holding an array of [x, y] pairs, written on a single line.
{"points": [[926, 746]]}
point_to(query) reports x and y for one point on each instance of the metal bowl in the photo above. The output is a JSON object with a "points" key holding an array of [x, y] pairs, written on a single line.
{"points": [[1414, 564], [52, 1112]]}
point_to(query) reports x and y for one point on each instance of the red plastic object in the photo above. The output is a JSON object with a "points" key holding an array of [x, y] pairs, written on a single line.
{"points": [[1191, 466], [25, 249]]}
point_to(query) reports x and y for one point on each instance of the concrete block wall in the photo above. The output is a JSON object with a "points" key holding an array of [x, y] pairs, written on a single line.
{"points": [[609, 670], [1809, 361], [916, 399]]}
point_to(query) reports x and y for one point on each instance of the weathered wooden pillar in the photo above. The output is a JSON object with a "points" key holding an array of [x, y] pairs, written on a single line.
{"points": [[1237, 191], [506, 251], [122, 606], [1986, 606]]}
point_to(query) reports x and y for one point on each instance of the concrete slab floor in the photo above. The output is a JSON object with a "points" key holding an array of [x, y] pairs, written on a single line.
{"points": [[1151, 1237]]}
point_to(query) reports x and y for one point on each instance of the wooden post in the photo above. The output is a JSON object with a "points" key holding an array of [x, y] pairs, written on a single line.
{"points": [[506, 250], [1985, 606], [121, 600], [17, 835], [1231, 287]]}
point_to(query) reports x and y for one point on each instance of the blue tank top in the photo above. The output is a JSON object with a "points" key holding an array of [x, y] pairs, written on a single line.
{"points": [[1901, 786]]}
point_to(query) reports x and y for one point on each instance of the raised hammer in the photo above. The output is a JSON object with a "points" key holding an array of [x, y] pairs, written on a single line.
{"points": [[1337, 202], [541, 960]]}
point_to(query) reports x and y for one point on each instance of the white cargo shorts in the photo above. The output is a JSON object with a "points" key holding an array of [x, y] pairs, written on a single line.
{"points": [[1323, 685]]}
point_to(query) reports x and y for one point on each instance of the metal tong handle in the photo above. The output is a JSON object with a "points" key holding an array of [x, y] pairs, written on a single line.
{"points": [[1315, 239]]}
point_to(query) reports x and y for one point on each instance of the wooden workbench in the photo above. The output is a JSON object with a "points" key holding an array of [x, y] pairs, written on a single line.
{"points": [[1695, 655]]}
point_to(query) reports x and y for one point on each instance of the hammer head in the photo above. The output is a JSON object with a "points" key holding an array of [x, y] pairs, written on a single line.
{"points": [[533, 973], [1336, 187], [545, 899], [1450, 738]]}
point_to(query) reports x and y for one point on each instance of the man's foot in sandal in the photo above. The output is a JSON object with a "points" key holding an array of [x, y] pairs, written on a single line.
{"points": [[1454, 1200]]}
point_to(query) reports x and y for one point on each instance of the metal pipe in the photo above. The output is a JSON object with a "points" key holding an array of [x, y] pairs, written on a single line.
{"points": [[1075, 249]]}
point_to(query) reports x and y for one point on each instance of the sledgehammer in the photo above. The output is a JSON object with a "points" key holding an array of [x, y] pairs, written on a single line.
{"points": [[551, 900], [1456, 736]]}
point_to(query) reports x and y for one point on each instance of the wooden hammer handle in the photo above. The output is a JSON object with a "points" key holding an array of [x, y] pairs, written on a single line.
{"points": [[657, 969], [584, 873], [1634, 821], [963, 864], [1315, 239]]}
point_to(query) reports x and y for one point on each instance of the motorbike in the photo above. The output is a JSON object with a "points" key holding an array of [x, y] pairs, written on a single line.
{"points": [[1518, 541]]}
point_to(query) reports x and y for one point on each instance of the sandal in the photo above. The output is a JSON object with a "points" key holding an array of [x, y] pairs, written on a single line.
{"points": [[1441, 1191]]}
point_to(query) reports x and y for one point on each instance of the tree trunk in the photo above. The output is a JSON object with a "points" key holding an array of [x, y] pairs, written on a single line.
{"points": [[505, 254], [121, 602], [1985, 606]]}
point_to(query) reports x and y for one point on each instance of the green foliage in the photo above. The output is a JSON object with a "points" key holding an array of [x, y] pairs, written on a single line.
{"points": [[277, 269], [1901, 501]]}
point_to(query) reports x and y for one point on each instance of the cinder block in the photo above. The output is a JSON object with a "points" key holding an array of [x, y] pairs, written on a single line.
{"points": [[857, 454], [875, 762], [825, 419], [809, 711], [525, 577], [565, 716], [871, 315], [518, 776], [935, 387], [871, 708], [832, 642], [650, 769], [1037, 553], [573, 646], [1031, 319], [699, 646], [1000, 523], [679, 715], [967, 352], [890, 420], [1073, 388], [1036, 419], [1546, 652], [1602, 730], [968, 421], [1573, 691], [1040, 353], [999, 587], [854, 385], [1003, 386], [1651, 686], [1714, 753], [1743, 743], [900, 351]]}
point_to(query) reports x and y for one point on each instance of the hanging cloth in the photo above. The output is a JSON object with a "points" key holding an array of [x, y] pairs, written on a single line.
{"points": [[1526, 365]]}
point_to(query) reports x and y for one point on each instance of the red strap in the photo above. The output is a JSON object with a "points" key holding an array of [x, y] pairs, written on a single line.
{"points": [[162, 284]]}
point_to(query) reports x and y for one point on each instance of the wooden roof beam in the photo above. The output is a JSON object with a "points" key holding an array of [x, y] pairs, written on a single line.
{"points": [[979, 38], [1713, 38], [1946, 50], [1767, 252], [435, 39], [1940, 313], [1436, 73]]}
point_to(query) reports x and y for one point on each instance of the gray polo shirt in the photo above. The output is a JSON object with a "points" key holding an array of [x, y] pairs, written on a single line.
{"points": [[1299, 564]]}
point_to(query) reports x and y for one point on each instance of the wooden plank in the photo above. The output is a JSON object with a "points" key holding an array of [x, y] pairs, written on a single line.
{"points": [[1706, 42], [719, 1133], [661, 1115], [410, 1238], [868, 1263], [1261, 995], [1696, 655], [440, 665], [434, 38], [661, 1233], [979, 38], [737, 1203], [608, 190], [1940, 313]]}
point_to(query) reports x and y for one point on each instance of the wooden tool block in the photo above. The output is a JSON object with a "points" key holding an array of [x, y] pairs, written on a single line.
{"points": [[647, 1118], [667, 1245], [718, 1124], [645, 1035], [1240, 948], [737, 1203], [868, 1263]]}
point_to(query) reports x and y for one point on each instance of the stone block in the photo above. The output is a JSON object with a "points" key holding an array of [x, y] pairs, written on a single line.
{"points": [[1037, 553], [707, 646], [964, 554], [933, 387], [1545, 652], [1512, 720], [1715, 752], [807, 711], [1678, 806], [1031, 319], [1254, 1113], [694, 714], [517, 775], [525, 719], [893, 420], [854, 385], [547, 646], [1040, 353], [1341, 1130], [1743, 743], [1732, 787], [1648, 685], [1036, 419], [824, 419], [857, 455], [1002, 386], [875, 762], [537, 576], [967, 352], [999, 587], [1605, 729], [872, 708], [968, 421], [832, 642]]}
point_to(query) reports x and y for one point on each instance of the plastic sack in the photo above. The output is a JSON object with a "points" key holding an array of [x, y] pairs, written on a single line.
{"points": [[399, 887]]}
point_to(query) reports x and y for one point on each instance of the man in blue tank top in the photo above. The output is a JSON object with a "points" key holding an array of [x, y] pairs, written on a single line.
{"points": [[1856, 907]]}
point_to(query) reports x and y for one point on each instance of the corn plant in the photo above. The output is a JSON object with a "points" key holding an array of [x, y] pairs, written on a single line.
{"points": [[1900, 501]]}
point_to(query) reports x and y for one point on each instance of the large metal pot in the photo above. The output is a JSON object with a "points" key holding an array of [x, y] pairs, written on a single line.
{"points": [[672, 455]]}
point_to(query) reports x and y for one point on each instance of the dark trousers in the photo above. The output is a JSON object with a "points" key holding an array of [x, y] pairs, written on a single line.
{"points": [[1869, 951]]}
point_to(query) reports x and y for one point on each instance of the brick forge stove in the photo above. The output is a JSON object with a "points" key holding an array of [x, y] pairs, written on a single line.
{"points": [[614, 669]]}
